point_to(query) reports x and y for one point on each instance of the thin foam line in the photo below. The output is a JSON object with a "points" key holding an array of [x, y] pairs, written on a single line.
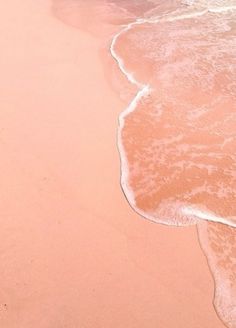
{"points": [[188, 210]]}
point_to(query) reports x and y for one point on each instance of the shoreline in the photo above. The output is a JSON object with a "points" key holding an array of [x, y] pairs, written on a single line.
{"points": [[73, 252]]}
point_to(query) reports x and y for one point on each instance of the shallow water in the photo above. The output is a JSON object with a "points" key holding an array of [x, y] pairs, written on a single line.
{"points": [[177, 138], [183, 159]]}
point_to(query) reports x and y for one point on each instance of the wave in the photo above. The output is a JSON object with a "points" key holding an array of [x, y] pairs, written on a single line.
{"points": [[216, 229]]}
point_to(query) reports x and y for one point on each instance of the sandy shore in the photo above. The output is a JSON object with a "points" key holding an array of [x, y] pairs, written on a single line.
{"points": [[73, 253]]}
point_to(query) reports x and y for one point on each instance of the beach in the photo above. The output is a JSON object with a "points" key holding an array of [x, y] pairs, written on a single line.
{"points": [[73, 252]]}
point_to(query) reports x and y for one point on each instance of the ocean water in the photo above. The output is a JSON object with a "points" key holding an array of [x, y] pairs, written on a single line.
{"points": [[177, 137]]}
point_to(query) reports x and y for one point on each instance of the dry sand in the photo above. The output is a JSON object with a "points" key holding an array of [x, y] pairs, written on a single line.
{"points": [[73, 253]]}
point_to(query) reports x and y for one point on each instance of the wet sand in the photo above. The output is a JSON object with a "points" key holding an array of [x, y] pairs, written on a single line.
{"points": [[73, 253]]}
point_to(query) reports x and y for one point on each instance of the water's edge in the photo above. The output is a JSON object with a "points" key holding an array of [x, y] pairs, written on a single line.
{"points": [[143, 91]]}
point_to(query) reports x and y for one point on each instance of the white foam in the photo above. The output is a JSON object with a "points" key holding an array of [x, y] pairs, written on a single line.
{"points": [[206, 215], [221, 9], [119, 60], [124, 162]]}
